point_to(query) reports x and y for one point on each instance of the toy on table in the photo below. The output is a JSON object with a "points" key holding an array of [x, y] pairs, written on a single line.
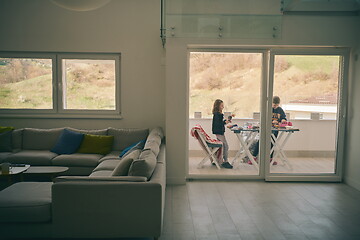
{"points": [[285, 125], [230, 117]]}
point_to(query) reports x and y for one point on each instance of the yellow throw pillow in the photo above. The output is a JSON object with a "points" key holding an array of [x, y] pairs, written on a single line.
{"points": [[97, 144], [6, 129]]}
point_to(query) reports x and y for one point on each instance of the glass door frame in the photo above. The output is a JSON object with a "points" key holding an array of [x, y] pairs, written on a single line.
{"points": [[267, 80], [263, 93], [344, 54]]}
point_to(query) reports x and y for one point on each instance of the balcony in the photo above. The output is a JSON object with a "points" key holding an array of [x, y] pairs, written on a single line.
{"points": [[309, 151]]}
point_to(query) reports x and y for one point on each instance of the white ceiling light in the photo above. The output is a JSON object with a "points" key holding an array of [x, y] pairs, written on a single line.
{"points": [[80, 5]]}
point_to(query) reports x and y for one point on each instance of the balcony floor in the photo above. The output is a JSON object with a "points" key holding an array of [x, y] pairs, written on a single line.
{"points": [[299, 165]]}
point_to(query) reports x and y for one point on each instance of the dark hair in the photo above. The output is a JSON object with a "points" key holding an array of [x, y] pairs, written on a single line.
{"points": [[216, 107], [276, 100]]}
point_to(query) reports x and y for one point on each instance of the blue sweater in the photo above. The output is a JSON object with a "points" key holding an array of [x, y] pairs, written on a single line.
{"points": [[278, 114]]}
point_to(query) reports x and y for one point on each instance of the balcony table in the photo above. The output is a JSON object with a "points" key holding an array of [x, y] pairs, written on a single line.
{"points": [[247, 137]]}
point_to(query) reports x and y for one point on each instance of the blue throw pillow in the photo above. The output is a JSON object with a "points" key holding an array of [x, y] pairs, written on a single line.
{"points": [[68, 142], [129, 149]]}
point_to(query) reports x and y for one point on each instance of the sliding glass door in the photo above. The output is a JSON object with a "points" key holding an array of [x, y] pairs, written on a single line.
{"points": [[236, 78], [305, 113], [287, 111]]}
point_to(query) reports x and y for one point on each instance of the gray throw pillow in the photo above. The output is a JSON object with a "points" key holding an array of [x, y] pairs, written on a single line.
{"points": [[145, 165], [153, 146], [6, 141], [122, 169], [126, 137], [154, 139]]}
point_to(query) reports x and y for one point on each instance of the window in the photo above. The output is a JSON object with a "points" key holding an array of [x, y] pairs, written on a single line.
{"points": [[60, 84], [234, 77], [308, 85], [26, 83]]}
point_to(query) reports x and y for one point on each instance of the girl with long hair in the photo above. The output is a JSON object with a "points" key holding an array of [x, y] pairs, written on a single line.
{"points": [[218, 128]]}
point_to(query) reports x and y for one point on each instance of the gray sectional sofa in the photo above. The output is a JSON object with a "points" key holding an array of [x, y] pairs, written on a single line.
{"points": [[32, 146], [89, 202]]}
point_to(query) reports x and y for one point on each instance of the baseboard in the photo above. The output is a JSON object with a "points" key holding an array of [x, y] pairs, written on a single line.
{"points": [[353, 183], [290, 153], [306, 154], [175, 181]]}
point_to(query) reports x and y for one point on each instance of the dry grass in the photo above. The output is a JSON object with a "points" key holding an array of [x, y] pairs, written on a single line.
{"points": [[236, 79]]}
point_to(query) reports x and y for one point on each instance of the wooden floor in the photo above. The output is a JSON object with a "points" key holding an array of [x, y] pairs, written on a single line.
{"points": [[297, 165], [260, 210]]}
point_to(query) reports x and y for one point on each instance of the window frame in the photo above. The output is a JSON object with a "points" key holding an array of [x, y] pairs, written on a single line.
{"points": [[58, 110]]}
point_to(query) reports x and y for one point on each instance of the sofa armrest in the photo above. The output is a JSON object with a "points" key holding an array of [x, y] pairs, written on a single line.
{"points": [[92, 179], [106, 209]]}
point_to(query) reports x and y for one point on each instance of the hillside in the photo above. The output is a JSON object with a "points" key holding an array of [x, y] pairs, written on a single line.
{"points": [[28, 84], [296, 77]]}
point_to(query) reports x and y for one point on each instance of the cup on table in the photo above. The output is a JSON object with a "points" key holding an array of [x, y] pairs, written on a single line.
{"points": [[5, 168]]}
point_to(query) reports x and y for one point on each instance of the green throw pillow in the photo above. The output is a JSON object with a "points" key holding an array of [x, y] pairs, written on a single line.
{"points": [[6, 129], [98, 144]]}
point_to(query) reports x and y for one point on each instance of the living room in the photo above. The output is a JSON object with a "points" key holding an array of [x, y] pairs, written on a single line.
{"points": [[150, 42]]}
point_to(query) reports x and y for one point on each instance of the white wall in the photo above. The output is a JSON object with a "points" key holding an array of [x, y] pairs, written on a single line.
{"points": [[129, 27], [352, 156], [296, 30]]}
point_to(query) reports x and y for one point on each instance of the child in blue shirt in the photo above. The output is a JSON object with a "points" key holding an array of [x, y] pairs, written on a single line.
{"points": [[278, 116]]}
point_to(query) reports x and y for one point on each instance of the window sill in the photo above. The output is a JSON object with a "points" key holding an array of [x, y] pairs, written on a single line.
{"points": [[63, 116]]}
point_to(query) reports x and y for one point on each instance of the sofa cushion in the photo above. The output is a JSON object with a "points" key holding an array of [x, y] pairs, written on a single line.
{"points": [[157, 132], [154, 146], [107, 165], [86, 131], [144, 166], [40, 139], [154, 139], [68, 142], [4, 155], [96, 144], [77, 160], [17, 138], [32, 157], [122, 169], [6, 141], [126, 137], [102, 173], [114, 155], [99, 178], [26, 202]]}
